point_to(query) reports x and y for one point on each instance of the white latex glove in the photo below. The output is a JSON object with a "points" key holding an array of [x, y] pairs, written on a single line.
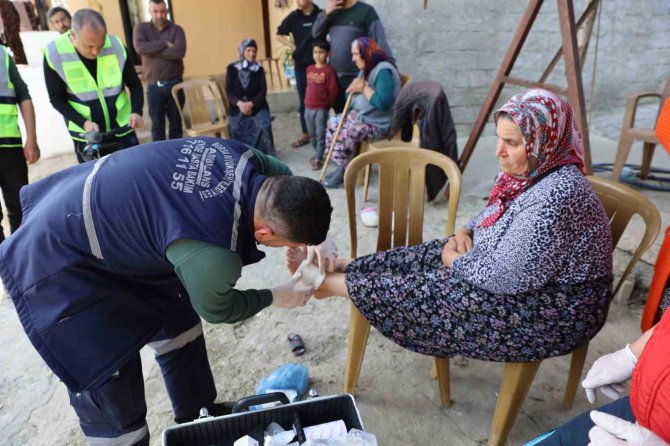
{"points": [[608, 374], [291, 294], [613, 431], [326, 253]]}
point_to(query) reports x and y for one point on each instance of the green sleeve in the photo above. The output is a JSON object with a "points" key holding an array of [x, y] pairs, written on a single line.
{"points": [[383, 97], [209, 274], [271, 166], [20, 86]]}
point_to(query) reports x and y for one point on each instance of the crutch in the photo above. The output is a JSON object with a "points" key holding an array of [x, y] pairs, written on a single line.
{"points": [[336, 135]]}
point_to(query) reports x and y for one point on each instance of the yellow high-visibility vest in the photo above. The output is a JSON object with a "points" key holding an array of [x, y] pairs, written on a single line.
{"points": [[93, 98], [10, 135]]}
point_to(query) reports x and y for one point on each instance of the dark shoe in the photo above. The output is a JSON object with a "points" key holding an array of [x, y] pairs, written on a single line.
{"points": [[336, 179], [221, 409]]}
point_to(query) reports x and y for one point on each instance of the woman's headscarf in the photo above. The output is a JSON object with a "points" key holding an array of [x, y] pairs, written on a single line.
{"points": [[244, 66], [371, 53], [550, 138]]}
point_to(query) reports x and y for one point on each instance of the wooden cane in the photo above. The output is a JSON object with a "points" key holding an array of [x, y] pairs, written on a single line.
{"points": [[335, 136]]}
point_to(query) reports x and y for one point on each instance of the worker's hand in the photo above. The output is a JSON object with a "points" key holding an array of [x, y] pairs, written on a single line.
{"points": [[31, 151], [333, 5], [135, 121], [292, 293], [91, 126], [170, 44], [356, 86], [608, 374], [325, 255], [463, 240], [612, 431]]}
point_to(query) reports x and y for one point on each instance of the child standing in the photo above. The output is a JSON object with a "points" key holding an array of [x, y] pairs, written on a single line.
{"points": [[320, 96]]}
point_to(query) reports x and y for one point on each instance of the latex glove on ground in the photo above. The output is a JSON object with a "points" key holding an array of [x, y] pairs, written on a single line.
{"points": [[608, 374], [292, 293], [613, 431], [326, 254]]}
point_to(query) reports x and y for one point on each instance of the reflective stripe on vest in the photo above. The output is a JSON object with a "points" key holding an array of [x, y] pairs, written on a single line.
{"points": [[10, 135], [86, 93]]}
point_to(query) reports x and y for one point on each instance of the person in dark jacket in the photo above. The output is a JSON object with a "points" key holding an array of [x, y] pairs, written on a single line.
{"points": [[246, 89], [132, 250]]}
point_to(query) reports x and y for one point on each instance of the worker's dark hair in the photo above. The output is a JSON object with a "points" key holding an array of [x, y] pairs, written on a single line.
{"points": [[320, 43], [298, 207], [89, 17], [55, 10]]}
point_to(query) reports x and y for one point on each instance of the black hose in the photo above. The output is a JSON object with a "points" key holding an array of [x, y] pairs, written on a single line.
{"points": [[631, 175]]}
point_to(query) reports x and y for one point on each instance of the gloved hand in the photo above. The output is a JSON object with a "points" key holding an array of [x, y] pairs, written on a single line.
{"points": [[292, 293], [608, 373], [613, 431], [326, 253]]}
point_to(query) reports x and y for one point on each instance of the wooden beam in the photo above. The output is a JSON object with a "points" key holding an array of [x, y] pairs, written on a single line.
{"points": [[266, 29]]}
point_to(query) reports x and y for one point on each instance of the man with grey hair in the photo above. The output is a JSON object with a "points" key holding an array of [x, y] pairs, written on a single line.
{"points": [[86, 72]]}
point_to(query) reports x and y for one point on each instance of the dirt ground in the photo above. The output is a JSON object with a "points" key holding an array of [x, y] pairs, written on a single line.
{"points": [[397, 399]]}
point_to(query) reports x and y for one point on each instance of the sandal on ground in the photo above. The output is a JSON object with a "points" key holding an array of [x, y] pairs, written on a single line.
{"points": [[370, 217], [299, 143], [297, 346], [316, 163]]}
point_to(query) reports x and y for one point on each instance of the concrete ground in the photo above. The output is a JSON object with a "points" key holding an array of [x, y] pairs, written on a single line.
{"points": [[397, 399]]}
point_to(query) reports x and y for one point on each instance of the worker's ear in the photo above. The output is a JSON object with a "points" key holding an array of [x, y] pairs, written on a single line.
{"points": [[264, 234]]}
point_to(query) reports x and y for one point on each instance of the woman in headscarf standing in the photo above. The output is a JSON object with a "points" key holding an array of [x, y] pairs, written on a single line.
{"points": [[375, 90], [246, 90], [528, 278]]}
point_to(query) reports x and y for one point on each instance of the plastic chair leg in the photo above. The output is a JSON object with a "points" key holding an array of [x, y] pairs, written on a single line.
{"points": [[625, 143], [647, 155], [359, 329], [442, 368], [576, 366], [366, 182], [516, 380]]}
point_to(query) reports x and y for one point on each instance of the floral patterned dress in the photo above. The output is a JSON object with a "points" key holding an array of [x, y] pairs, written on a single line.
{"points": [[536, 284]]}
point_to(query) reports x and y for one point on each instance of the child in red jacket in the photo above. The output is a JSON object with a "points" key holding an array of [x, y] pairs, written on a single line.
{"points": [[320, 96]]}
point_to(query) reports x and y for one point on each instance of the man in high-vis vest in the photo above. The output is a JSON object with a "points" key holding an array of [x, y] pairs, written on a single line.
{"points": [[132, 249], [86, 71], [13, 154]]}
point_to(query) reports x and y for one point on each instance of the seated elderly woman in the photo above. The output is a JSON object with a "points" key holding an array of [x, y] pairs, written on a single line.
{"points": [[246, 90], [528, 278], [371, 110]]}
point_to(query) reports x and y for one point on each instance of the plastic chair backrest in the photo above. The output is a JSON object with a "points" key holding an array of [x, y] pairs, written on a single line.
{"points": [[220, 80], [402, 172], [621, 203], [405, 79], [197, 92]]}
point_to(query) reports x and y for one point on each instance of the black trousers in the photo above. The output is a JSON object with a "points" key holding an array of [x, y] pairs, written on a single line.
{"points": [[13, 176], [161, 103], [301, 85]]}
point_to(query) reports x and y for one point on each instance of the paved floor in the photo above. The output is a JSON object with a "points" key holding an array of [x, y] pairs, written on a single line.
{"points": [[397, 399]]}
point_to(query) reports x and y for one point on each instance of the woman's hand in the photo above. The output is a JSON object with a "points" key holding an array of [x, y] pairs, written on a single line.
{"points": [[450, 252], [463, 240], [356, 86]]}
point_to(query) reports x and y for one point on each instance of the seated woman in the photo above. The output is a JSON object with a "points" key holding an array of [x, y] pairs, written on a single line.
{"points": [[246, 90], [371, 109], [529, 278]]}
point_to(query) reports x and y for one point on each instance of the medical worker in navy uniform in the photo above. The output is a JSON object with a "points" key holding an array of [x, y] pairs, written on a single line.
{"points": [[117, 254]]}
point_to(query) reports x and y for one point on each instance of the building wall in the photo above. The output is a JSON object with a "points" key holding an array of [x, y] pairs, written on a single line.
{"points": [[461, 44]]}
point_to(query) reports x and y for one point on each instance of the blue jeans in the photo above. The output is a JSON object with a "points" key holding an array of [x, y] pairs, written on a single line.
{"points": [[161, 103], [301, 85], [576, 431]]}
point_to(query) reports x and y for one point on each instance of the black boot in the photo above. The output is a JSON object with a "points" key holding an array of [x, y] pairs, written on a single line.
{"points": [[336, 179]]}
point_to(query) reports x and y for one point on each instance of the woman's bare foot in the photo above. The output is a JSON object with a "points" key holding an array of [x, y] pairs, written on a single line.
{"points": [[294, 257]]}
